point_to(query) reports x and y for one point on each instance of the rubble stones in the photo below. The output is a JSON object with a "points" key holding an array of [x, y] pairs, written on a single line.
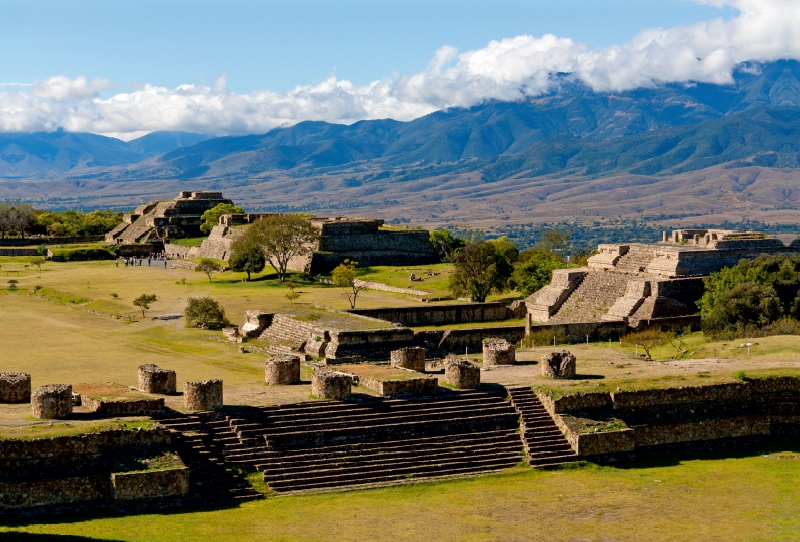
{"points": [[15, 387], [202, 396], [282, 369], [560, 364], [52, 402], [498, 352], [154, 379], [409, 358], [461, 373], [330, 385]]}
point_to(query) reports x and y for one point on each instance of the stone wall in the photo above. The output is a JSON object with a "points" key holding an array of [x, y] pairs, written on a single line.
{"points": [[123, 407], [457, 340], [147, 484], [424, 385], [53, 491], [369, 344], [440, 314], [18, 252]]}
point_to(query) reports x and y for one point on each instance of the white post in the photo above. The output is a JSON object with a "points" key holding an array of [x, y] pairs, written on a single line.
{"points": [[554, 340], [466, 350], [587, 340], [637, 350]]}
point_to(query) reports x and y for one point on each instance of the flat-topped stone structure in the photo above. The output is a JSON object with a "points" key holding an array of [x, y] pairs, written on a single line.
{"points": [[52, 402], [645, 282], [154, 379], [15, 387], [202, 396]]}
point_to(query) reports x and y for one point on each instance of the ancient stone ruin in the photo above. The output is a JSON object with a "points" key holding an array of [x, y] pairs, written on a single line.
{"points": [[461, 373], [330, 385], [52, 402], [498, 352], [15, 387], [559, 364], [282, 369], [154, 379], [202, 396], [409, 358]]}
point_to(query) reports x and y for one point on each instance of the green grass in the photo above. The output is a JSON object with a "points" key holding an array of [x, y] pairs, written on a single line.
{"points": [[189, 241], [400, 277], [65, 428], [146, 459], [709, 497]]}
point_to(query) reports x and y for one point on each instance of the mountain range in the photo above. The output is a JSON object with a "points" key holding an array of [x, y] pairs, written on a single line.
{"points": [[533, 159]]}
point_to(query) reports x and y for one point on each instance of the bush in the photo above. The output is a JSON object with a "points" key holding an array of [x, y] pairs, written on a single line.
{"points": [[205, 312], [81, 254], [544, 337]]}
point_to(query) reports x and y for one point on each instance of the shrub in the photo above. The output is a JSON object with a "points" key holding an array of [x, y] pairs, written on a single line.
{"points": [[205, 312], [544, 337]]}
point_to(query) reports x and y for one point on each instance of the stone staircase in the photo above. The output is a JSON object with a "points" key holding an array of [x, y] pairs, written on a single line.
{"points": [[286, 335], [199, 440], [593, 298], [635, 261], [347, 444], [545, 445]]}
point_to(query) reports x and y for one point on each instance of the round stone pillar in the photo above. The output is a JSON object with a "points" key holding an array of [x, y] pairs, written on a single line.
{"points": [[15, 387], [52, 402], [154, 379], [498, 352], [330, 385], [560, 364], [461, 373], [282, 369], [202, 396], [409, 358]]}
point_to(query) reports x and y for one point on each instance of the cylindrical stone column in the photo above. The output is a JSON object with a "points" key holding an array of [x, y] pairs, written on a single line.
{"points": [[282, 369], [330, 385], [154, 379], [461, 373], [15, 387], [498, 352], [559, 364], [52, 402], [202, 396], [409, 358]]}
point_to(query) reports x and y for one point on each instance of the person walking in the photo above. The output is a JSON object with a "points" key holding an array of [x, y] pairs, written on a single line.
{"points": [[116, 262], [165, 263]]}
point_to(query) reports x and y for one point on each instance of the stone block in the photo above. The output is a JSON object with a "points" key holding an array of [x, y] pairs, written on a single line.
{"points": [[52, 402], [498, 351], [409, 358], [15, 387], [232, 334], [154, 379], [560, 364], [282, 369], [202, 396], [461, 373], [330, 385]]}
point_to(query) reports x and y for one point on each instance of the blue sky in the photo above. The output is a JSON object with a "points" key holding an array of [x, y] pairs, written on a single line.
{"points": [[277, 45]]}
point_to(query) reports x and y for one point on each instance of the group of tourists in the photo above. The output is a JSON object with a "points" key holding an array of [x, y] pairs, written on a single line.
{"points": [[133, 261]]}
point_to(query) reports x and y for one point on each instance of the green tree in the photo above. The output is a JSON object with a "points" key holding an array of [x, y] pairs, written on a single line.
{"points": [[648, 339], [534, 270], [144, 301], [210, 218], [555, 240], [345, 276], [283, 237], [38, 262], [207, 266], [246, 257], [481, 268], [292, 295], [205, 312], [445, 244]]}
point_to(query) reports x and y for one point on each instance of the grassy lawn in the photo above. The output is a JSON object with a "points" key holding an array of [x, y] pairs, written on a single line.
{"points": [[738, 497], [189, 241], [434, 277]]}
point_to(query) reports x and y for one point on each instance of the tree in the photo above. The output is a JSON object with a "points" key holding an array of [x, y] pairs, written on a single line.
{"points": [[205, 312], [246, 257], [207, 266], [144, 301], [445, 244], [648, 339], [481, 268], [283, 237], [555, 240], [38, 262], [210, 218], [534, 270], [345, 277], [292, 295]]}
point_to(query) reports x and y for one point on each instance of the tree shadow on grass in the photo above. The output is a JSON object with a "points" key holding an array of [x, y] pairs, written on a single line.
{"points": [[39, 537], [587, 377]]}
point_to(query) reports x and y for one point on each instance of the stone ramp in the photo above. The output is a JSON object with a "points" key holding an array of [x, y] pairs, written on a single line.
{"points": [[636, 260], [545, 445], [593, 298], [337, 445]]}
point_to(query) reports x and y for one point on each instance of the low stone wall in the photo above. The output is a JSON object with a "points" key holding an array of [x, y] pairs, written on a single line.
{"points": [[18, 252], [123, 407], [456, 340], [581, 402], [179, 251], [369, 344], [53, 491], [440, 314], [148, 484], [412, 358], [424, 385]]}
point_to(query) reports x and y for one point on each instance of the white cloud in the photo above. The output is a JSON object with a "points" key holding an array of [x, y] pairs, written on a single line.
{"points": [[509, 69]]}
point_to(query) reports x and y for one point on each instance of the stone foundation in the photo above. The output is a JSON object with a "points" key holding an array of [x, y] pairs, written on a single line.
{"points": [[15, 387], [498, 352], [330, 385], [154, 379], [202, 396], [142, 485], [461, 373], [559, 364], [409, 358], [283, 369], [52, 402]]}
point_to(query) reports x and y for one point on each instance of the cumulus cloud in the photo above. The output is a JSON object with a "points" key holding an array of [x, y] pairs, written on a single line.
{"points": [[509, 69]]}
